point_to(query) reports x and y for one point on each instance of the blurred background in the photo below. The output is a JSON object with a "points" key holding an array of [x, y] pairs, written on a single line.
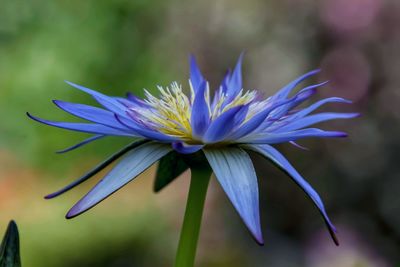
{"points": [[119, 46]]}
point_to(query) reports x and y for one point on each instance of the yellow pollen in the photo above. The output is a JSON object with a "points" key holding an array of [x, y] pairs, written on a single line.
{"points": [[170, 113]]}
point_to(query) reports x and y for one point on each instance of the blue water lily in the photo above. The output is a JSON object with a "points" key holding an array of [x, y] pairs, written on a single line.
{"points": [[174, 126]]}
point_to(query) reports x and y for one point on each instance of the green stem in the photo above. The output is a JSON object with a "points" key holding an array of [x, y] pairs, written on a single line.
{"points": [[191, 223]]}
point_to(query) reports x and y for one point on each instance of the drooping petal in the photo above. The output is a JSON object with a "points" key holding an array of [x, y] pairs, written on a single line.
{"points": [[200, 117], [97, 169], [90, 113], [170, 167], [275, 138], [133, 164], [235, 172], [277, 158], [221, 126], [196, 78], [84, 142], [106, 101], [83, 127], [184, 148], [314, 119]]}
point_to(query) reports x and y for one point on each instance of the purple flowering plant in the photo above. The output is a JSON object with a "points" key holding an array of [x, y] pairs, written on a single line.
{"points": [[208, 134]]}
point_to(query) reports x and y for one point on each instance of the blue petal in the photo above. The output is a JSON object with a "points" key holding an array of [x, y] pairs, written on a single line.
{"points": [[254, 122], [200, 117], [317, 118], [84, 142], [106, 101], [145, 132], [196, 78], [235, 82], [235, 172], [184, 148], [286, 90], [83, 127], [275, 138], [90, 113], [221, 126], [276, 157], [96, 169], [133, 164], [316, 105]]}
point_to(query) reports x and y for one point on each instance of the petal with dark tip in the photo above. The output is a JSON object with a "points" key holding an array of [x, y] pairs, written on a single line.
{"points": [[278, 159], [84, 142], [127, 169], [235, 172], [84, 127], [96, 169]]}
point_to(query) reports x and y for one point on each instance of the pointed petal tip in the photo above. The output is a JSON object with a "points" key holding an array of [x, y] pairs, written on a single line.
{"points": [[259, 239], [50, 196], [73, 212], [332, 232]]}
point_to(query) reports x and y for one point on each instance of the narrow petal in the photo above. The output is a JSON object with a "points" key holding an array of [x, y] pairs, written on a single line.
{"points": [[170, 167], [275, 138], [97, 169], [235, 82], [200, 117], [106, 101], [83, 127], [133, 164], [286, 90], [314, 119], [316, 105], [254, 122], [145, 132], [196, 78], [90, 113], [277, 158], [235, 172], [84, 142], [221, 126], [184, 148]]}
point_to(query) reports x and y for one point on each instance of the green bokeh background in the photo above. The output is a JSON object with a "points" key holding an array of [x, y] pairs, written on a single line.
{"points": [[120, 46]]}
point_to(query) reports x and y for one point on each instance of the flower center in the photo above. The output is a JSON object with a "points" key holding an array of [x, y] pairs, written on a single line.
{"points": [[170, 113]]}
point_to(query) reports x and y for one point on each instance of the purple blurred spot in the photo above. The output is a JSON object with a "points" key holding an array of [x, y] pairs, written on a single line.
{"points": [[348, 71]]}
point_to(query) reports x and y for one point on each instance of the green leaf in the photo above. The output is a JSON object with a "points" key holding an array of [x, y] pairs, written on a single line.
{"points": [[9, 250], [169, 167]]}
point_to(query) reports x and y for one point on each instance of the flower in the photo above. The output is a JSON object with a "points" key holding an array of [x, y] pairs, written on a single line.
{"points": [[224, 127]]}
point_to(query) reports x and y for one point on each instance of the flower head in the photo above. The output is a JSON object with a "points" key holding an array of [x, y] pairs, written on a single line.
{"points": [[174, 125]]}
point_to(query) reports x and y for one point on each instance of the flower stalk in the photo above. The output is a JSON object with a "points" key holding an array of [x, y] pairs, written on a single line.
{"points": [[186, 252]]}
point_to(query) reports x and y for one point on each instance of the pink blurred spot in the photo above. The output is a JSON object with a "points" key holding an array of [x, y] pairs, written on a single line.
{"points": [[354, 250], [348, 71], [349, 15]]}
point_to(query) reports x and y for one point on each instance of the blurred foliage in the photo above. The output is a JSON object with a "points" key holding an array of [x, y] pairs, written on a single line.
{"points": [[119, 46]]}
